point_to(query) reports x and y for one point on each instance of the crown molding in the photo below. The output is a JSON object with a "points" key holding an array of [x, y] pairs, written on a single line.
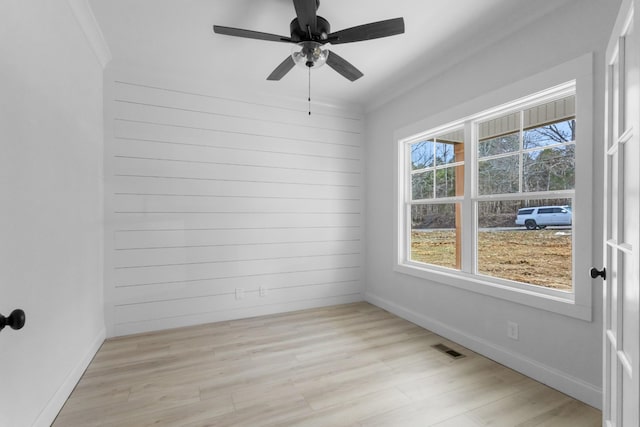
{"points": [[89, 25]]}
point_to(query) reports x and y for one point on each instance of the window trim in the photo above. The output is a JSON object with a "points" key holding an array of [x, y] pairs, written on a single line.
{"points": [[578, 303]]}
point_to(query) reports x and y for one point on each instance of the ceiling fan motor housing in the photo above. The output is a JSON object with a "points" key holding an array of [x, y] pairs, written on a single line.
{"points": [[323, 29]]}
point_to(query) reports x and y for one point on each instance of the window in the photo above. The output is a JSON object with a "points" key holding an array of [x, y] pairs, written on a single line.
{"points": [[488, 203], [437, 184], [526, 158]]}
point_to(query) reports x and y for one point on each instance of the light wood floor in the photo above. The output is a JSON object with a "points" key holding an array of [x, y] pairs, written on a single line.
{"points": [[349, 365]]}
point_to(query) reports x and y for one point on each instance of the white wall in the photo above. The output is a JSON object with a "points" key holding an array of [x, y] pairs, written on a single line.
{"points": [[209, 189], [52, 207], [558, 350]]}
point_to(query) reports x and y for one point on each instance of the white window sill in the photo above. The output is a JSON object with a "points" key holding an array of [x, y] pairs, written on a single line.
{"points": [[563, 303]]}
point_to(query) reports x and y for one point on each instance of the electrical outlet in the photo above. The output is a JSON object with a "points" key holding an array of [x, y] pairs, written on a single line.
{"points": [[263, 291], [512, 330], [239, 293]]}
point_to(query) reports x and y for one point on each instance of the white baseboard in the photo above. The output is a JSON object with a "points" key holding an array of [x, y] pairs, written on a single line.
{"points": [[231, 314], [572, 386], [50, 412]]}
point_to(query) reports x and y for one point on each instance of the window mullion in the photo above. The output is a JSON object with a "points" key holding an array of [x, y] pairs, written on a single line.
{"points": [[521, 155], [468, 226], [433, 170], [408, 198]]}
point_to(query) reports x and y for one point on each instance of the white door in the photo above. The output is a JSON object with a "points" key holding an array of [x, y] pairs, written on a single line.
{"points": [[622, 232]]}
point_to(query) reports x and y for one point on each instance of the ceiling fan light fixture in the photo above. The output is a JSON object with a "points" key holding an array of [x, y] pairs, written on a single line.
{"points": [[309, 54]]}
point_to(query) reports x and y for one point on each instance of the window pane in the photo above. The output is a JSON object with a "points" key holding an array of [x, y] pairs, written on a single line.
{"points": [[540, 255], [498, 176], [434, 236], [499, 145], [551, 134], [422, 185], [445, 153], [499, 213], [550, 123], [550, 169], [446, 182], [422, 155]]}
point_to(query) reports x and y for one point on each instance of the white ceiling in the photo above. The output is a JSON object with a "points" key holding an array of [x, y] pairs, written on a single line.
{"points": [[176, 36]]}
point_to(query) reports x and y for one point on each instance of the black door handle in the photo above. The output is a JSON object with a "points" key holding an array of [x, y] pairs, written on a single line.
{"points": [[602, 273], [15, 320]]}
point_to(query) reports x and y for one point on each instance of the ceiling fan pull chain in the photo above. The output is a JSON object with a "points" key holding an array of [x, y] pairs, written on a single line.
{"points": [[309, 99]]}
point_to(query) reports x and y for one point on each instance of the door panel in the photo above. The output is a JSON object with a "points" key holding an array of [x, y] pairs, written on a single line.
{"points": [[621, 295]]}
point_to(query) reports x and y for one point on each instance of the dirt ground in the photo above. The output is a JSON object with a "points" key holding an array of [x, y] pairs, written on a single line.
{"points": [[540, 257]]}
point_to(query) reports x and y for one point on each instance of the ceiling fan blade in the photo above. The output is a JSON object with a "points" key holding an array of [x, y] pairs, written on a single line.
{"points": [[306, 12], [374, 30], [343, 67], [238, 32], [282, 69]]}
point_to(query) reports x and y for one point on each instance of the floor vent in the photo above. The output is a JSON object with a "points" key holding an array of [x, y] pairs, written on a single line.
{"points": [[451, 352]]}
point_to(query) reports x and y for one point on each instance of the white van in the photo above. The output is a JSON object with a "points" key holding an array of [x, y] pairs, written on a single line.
{"points": [[542, 216]]}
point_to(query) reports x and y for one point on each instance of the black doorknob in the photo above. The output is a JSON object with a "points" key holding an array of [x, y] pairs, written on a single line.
{"points": [[15, 320], [602, 273]]}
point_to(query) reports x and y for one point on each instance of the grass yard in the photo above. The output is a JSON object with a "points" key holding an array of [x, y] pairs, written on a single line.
{"points": [[540, 257]]}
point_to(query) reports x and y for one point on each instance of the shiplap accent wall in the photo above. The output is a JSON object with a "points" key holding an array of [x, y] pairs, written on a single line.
{"points": [[210, 198]]}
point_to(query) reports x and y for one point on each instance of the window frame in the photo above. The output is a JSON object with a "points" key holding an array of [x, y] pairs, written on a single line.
{"points": [[435, 200], [572, 77]]}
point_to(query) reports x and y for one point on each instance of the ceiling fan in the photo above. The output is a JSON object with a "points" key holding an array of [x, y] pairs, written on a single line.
{"points": [[310, 32]]}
